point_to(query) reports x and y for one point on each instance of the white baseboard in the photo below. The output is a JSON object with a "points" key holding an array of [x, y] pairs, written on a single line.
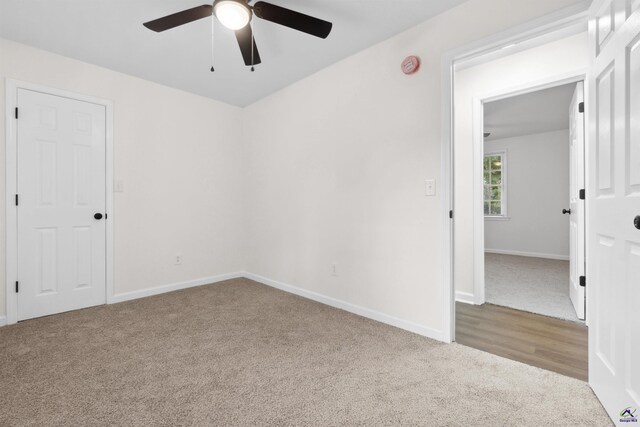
{"points": [[351, 308], [465, 297], [528, 254], [323, 299], [127, 296]]}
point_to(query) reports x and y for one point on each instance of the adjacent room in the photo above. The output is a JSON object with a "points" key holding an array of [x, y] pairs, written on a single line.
{"points": [[316, 213], [527, 170]]}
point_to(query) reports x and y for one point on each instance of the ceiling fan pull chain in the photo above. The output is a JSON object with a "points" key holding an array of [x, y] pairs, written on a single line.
{"points": [[253, 48], [212, 41]]}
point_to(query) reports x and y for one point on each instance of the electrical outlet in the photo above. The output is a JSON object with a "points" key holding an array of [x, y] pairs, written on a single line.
{"points": [[334, 269], [178, 260]]}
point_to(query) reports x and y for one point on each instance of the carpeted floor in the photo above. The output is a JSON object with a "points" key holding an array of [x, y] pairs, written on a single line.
{"points": [[239, 353], [530, 284]]}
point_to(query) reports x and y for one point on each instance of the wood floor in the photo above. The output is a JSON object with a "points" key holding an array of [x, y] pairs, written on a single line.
{"points": [[548, 343]]}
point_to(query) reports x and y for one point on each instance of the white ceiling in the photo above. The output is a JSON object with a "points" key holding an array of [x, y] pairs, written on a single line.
{"points": [[536, 112], [110, 34]]}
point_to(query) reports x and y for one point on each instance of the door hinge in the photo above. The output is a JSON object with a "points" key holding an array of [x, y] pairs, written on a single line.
{"points": [[583, 194], [581, 107], [16, 200], [451, 214], [17, 286], [16, 113], [583, 281]]}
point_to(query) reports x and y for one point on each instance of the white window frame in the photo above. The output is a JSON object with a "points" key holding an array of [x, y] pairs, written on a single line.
{"points": [[504, 168]]}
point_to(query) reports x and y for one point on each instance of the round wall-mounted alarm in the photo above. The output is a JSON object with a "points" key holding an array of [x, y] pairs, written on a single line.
{"points": [[410, 65]]}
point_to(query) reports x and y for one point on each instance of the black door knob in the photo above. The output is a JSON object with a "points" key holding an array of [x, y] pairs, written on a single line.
{"points": [[566, 211], [636, 222], [98, 216]]}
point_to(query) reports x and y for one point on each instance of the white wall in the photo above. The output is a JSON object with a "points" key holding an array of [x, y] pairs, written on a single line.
{"points": [[337, 164], [179, 156], [561, 57], [537, 191]]}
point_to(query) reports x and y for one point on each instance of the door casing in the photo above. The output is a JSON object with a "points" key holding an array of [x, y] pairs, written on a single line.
{"points": [[552, 27], [11, 186]]}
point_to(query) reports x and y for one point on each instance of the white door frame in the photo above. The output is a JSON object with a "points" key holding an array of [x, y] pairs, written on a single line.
{"points": [[567, 20], [478, 154], [11, 186]]}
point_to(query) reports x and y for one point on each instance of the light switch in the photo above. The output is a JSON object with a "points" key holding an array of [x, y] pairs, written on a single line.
{"points": [[118, 186], [430, 187]]}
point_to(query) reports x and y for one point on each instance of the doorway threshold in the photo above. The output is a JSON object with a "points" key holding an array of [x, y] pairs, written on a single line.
{"points": [[548, 343]]}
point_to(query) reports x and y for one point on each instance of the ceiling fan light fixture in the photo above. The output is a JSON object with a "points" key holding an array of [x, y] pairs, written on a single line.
{"points": [[233, 14]]}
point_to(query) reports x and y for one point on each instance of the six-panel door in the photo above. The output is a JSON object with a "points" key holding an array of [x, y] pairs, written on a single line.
{"points": [[61, 185], [613, 259]]}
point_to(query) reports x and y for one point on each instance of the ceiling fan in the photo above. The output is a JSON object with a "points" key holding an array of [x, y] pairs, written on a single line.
{"points": [[237, 15]]}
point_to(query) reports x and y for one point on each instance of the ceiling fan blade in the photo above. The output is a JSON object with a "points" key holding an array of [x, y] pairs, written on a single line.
{"points": [[244, 36], [180, 18], [296, 20]]}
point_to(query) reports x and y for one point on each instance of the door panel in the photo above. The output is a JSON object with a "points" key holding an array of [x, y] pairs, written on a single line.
{"points": [[633, 124], [46, 173], [605, 324], [48, 117], [82, 256], [605, 24], [82, 176], [613, 201], [605, 130], [61, 184], [47, 260]]}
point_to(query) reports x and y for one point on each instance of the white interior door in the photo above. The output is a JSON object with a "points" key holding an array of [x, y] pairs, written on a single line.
{"points": [[61, 186], [576, 223], [613, 242]]}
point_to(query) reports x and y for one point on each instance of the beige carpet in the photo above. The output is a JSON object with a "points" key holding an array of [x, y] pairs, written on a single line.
{"points": [[239, 353]]}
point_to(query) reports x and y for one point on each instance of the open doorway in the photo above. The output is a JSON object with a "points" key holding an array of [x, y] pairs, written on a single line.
{"points": [[611, 201], [533, 174], [519, 219]]}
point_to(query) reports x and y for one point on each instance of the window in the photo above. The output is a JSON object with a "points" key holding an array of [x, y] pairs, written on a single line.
{"points": [[495, 194]]}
